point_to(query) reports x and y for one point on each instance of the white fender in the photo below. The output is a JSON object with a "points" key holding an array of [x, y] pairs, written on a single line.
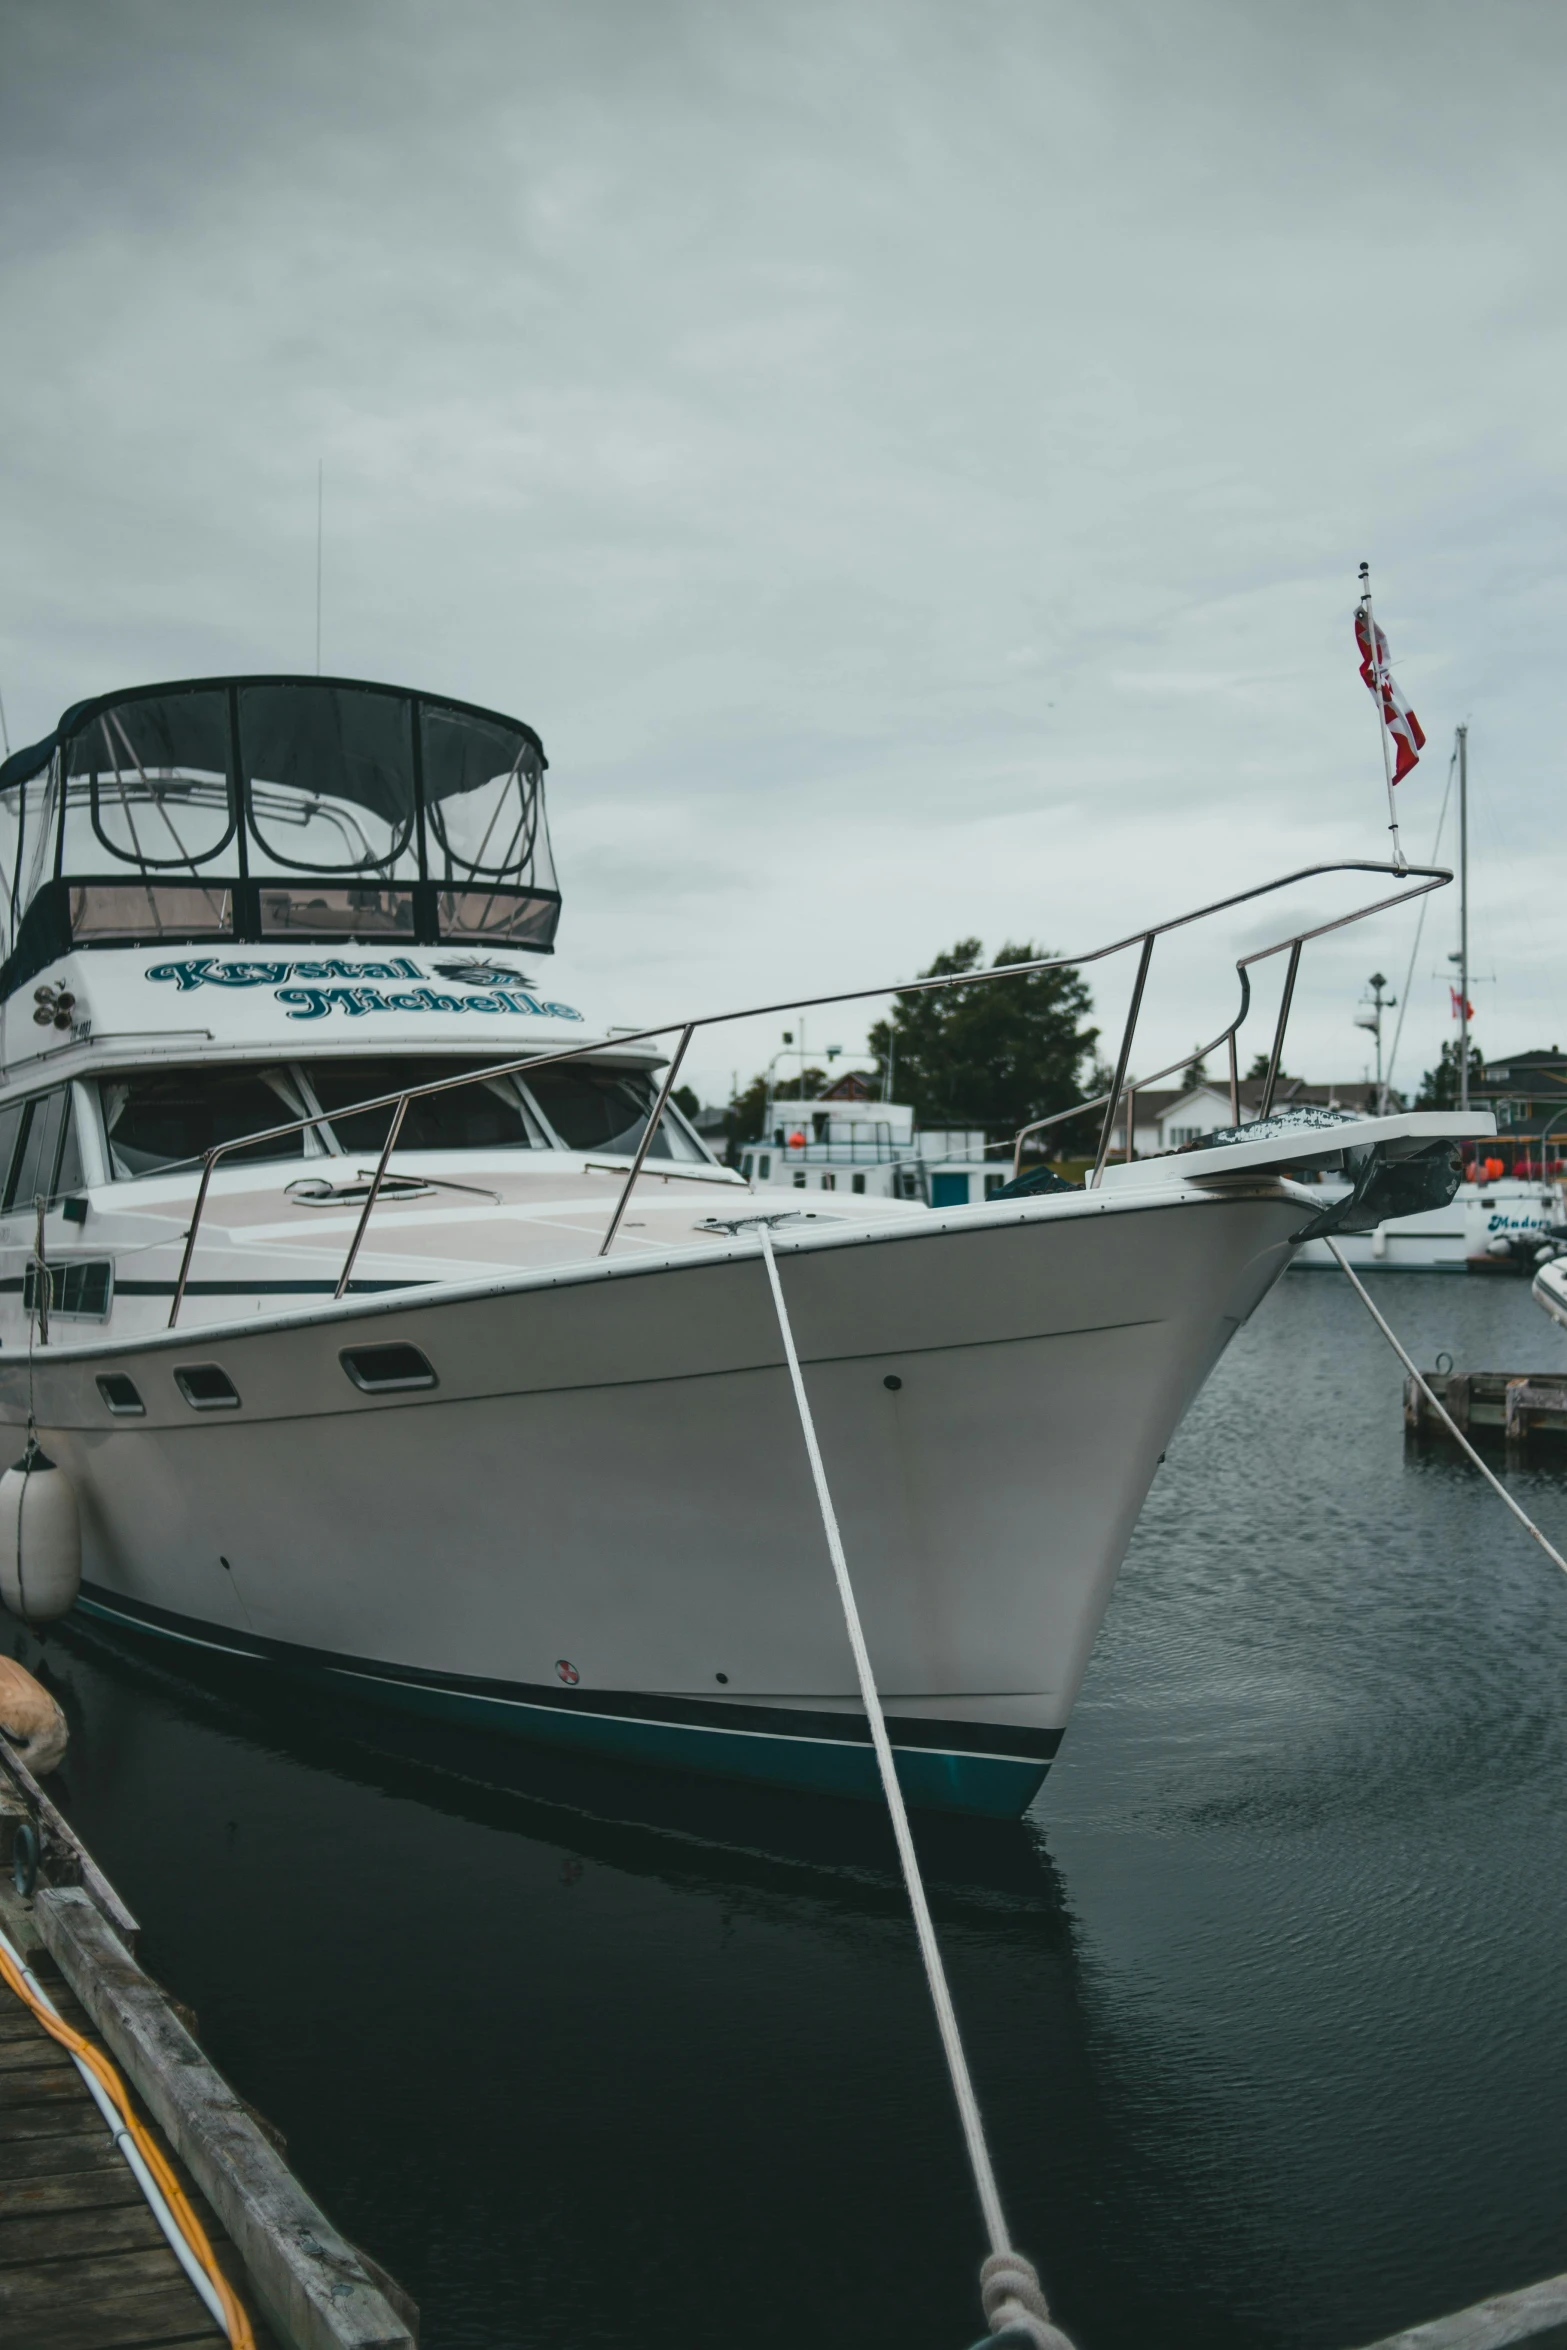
{"points": [[40, 1540], [30, 1718]]}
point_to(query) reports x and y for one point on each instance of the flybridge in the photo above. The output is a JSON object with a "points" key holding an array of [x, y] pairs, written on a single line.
{"points": [[288, 808]]}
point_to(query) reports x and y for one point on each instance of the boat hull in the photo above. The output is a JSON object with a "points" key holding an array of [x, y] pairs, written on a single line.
{"points": [[598, 1531]]}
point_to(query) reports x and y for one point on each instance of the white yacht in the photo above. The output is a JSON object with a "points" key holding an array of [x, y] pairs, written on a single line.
{"points": [[395, 1331]]}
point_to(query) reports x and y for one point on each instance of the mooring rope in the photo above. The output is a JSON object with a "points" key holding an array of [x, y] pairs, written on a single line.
{"points": [[1010, 2291], [186, 2236], [1522, 1515]]}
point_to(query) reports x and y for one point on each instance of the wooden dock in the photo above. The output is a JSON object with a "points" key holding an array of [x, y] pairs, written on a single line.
{"points": [[1513, 1408], [1536, 2315], [84, 2264]]}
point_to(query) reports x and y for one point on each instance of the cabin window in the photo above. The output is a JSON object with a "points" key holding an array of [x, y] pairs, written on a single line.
{"points": [[157, 1118], [487, 1115], [856, 1183], [206, 1388], [606, 1109], [39, 1154], [80, 1289], [384, 1370], [121, 1395]]}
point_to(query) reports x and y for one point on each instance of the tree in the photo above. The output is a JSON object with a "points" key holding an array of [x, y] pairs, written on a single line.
{"points": [[1259, 1070], [1439, 1086], [995, 1056], [1195, 1072], [685, 1100]]}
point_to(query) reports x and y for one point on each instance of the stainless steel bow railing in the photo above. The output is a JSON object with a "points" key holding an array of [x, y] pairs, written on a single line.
{"points": [[1423, 879]]}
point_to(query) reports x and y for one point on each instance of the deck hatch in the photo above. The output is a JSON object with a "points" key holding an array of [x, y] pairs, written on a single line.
{"points": [[121, 1396], [206, 1388], [383, 1370]]}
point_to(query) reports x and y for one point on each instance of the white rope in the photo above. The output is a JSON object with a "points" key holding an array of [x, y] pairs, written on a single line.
{"points": [[1010, 2288], [1442, 1414]]}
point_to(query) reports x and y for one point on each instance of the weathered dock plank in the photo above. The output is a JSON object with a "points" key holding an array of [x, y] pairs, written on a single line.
{"points": [[1536, 2315]]}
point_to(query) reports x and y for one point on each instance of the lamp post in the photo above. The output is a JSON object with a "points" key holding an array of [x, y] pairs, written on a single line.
{"points": [[1372, 1020]]}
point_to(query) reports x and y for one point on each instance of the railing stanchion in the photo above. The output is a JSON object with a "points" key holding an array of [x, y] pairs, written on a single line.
{"points": [[1119, 1079], [371, 1196], [648, 1132], [1278, 1033], [1235, 1084], [208, 1163]]}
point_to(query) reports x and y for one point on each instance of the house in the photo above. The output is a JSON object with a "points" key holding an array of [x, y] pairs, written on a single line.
{"points": [[1164, 1119], [1528, 1093]]}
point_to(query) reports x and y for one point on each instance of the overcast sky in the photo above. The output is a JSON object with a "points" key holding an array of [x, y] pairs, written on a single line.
{"points": [[909, 460]]}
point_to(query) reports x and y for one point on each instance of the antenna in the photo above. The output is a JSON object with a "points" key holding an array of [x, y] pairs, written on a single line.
{"points": [[320, 477]]}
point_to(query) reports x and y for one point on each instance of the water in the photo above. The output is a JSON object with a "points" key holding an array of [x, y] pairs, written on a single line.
{"points": [[1264, 2001]]}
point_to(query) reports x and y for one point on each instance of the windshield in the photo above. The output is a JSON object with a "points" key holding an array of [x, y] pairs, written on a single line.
{"points": [[606, 1110], [168, 1117], [489, 1115], [161, 1118]]}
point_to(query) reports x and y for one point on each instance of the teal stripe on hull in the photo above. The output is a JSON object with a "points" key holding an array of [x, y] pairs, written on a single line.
{"points": [[998, 1787], [994, 1785]]}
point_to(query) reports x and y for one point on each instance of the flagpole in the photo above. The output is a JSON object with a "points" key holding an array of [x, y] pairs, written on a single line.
{"points": [[1377, 691], [1463, 922]]}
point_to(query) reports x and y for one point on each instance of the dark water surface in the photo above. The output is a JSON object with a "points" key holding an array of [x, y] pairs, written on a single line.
{"points": [[1265, 2002]]}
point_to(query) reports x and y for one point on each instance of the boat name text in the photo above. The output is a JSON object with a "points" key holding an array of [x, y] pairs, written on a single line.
{"points": [[317, 1002]]}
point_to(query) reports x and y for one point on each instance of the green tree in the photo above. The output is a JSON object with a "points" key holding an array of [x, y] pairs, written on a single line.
{"points": [[994, 1056], [1439, 1086], [685, 1100], [1259, 1070], [1195, 1072]]}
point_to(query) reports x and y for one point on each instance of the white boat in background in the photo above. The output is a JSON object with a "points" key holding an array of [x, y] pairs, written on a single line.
{"points": [[847, 1141], [395, 1332], [1494, 1226]]}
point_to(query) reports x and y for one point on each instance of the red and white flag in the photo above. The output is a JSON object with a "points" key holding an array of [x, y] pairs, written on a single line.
{"points": [[1462, 1008], [1404, 728]]}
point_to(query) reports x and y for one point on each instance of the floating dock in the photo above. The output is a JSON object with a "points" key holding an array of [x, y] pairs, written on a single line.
{"points": [[84, 2264], [1513, 1408]]}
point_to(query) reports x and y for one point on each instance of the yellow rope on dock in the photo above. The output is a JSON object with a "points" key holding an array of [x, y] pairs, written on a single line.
{"points": [[236, 2323]]}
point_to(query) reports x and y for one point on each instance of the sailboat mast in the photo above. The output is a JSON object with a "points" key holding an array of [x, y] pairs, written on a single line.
{"points": [[1463, 917]]}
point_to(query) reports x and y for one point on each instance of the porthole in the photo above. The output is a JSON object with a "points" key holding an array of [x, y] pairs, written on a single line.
{"points": [[206, 1388], [121, 1396], [384, 1370]]}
